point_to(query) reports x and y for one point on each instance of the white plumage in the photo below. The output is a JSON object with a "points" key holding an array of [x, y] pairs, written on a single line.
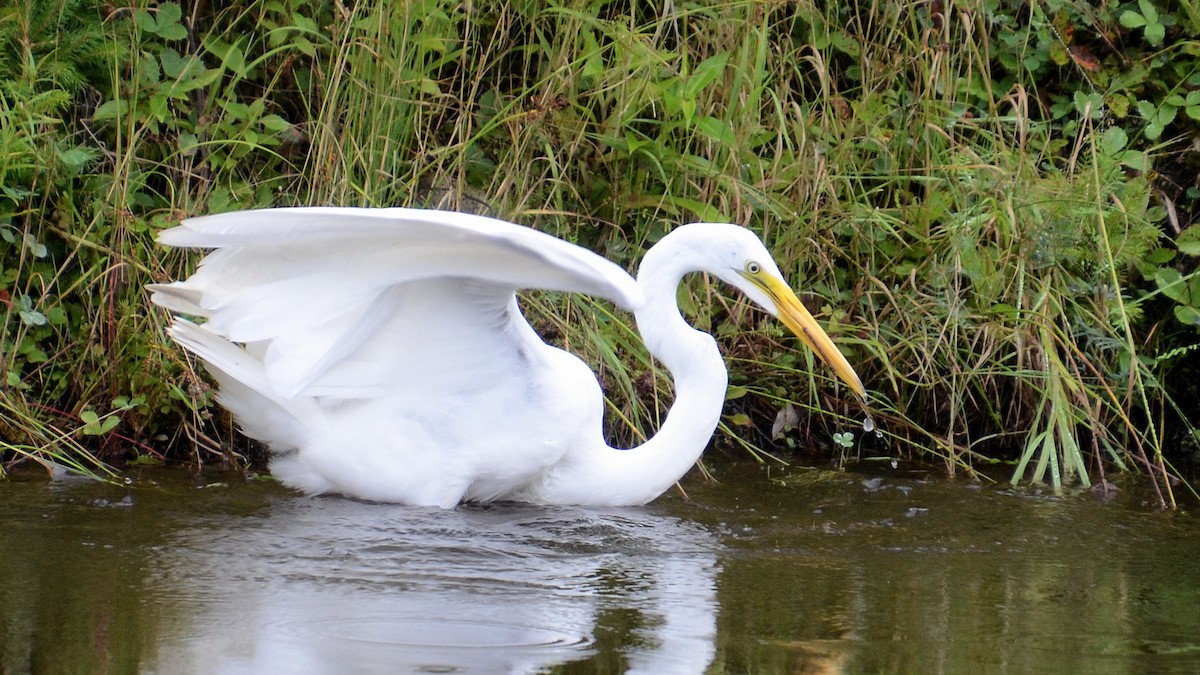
{"points": [[381, 353]]}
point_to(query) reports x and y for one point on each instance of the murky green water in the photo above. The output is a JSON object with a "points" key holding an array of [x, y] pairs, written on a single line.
{"points": [[804, 572]]}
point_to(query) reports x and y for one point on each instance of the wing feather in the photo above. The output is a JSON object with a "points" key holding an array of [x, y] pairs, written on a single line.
{"points": [[323, 286]]}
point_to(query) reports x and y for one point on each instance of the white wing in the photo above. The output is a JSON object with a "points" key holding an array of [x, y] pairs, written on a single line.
{"points": [[334, 299]]}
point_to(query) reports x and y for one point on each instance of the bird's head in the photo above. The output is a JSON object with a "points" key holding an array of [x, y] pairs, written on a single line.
{"points": [[738, 257]]}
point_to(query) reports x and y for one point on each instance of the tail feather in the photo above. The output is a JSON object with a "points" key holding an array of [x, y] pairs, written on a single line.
{"points": [[177, 298], [244, 389]]}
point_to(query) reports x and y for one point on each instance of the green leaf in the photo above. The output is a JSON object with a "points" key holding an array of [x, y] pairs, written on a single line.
{"points": [[168, 12], [1189, 241], [1089, 105], [1155, 32], [1131, 19], [688, 107], [275, 123], [236, 110], [717, 130], [94, 425], [1149, 12], [38, 249], [145, 21], [1169, 281], [1160, 256], [149, 72], [106, 426], [29, 315], [1114, 140], [125, 403], [705, 74], [159, 108], [168, 17], [77, 158], [179, 67], [429, 86], [703, 211], [230, 55], [110, 110], [1165, 115], [1188, 315]]}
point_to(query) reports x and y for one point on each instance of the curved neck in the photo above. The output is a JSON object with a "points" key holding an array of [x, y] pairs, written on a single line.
{"points": [[607, 476]]}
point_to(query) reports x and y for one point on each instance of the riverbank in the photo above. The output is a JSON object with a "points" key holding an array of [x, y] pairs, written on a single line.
{"points": [[987, 204]]}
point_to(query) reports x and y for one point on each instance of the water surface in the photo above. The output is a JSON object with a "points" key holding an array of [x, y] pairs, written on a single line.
{"points": [[795, 571]]}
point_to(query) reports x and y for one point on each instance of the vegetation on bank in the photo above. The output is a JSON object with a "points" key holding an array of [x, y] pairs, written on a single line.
{"points": [[988, 202]]}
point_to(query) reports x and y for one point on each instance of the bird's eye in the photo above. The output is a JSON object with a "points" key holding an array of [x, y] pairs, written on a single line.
{"points": [[753, 267]]}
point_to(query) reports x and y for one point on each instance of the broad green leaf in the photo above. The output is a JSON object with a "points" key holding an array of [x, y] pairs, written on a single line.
{"points": [[1188, 315], [1131, 19], [1170, 282], [275, 123], [1155, 33], [111, 110], [233, 59], [77, 158], [38, 250], [704, 211], [705, 74], [1091, 105], [1160, 256], [1149, 11], [717, 130], [145, 20], [1114, 140], [168, 17], [168, 12], [159, 107], [1189, 241], [178, 67]]}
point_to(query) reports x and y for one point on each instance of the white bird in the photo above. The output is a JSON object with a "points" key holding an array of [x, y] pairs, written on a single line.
{"points": [[381, 353]]}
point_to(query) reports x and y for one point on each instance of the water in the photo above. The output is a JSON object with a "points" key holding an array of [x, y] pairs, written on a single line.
{"points": [[796, 571]]}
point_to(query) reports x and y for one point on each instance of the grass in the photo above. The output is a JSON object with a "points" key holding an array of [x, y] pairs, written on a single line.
{"points": [[985, 251]]}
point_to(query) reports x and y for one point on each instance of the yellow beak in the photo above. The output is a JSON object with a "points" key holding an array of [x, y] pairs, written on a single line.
{"points": [[797, 318]]}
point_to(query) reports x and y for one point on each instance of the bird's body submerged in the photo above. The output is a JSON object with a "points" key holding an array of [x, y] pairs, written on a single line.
{"points": [[381, 353]]}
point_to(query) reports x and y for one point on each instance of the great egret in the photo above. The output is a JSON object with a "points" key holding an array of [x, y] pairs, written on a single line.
{"points": [[384, 357]]}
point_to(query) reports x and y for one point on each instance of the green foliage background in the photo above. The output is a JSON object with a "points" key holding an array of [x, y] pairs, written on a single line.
{"points": [[989, 201]]}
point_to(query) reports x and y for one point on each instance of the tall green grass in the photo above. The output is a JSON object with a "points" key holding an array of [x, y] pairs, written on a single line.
{"points": [[987, 260]]}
